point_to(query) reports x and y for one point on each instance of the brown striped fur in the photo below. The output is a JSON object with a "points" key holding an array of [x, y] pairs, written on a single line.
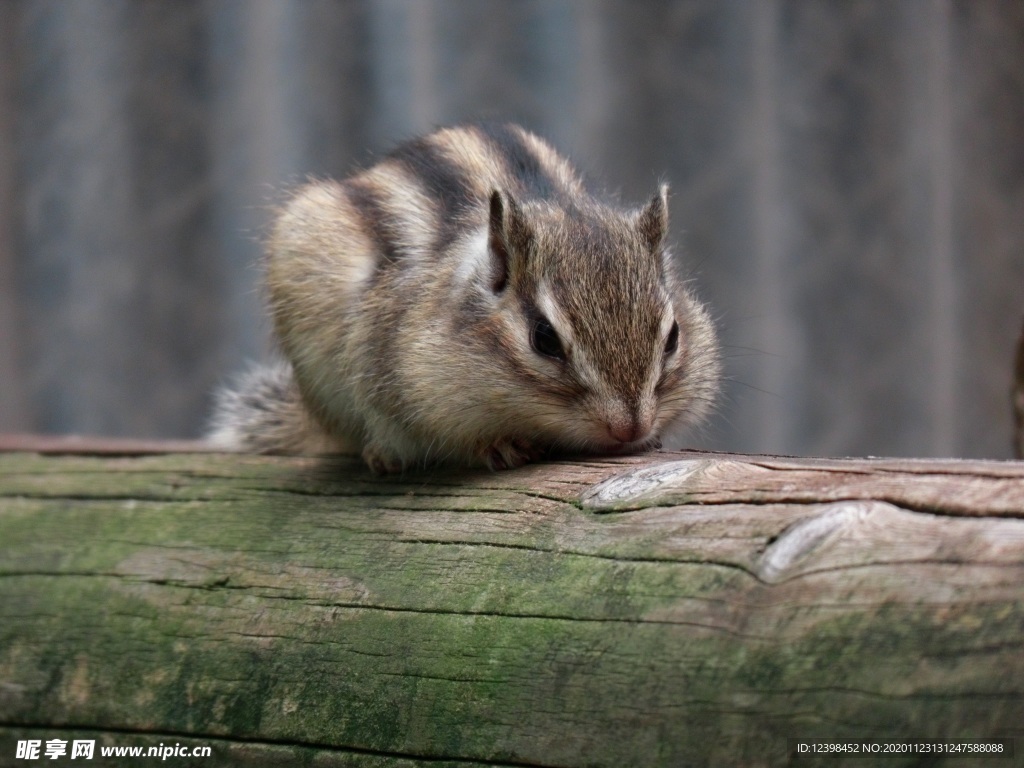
{"points": [[407, 297]]}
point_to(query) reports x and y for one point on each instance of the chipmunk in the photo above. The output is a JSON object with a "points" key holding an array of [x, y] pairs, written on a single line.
{"points": [[466, 301]]}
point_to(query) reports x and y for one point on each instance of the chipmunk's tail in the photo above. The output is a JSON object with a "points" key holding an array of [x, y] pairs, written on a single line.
{"points": [[263, 412]]}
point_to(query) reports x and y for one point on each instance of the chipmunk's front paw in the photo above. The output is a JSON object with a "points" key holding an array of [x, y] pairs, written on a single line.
{"points": [[650, 444], [509, 454], [381, 461]]}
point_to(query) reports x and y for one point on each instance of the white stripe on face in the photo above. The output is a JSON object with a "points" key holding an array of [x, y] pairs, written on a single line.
{"points": [[474, 257]]}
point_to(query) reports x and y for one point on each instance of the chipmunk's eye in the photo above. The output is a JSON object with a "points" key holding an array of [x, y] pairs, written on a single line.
{"points": [[545, 340], [672, 342]]}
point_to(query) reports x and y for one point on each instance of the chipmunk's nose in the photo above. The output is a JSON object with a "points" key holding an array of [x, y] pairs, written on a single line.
{"points": [[628, 430]]}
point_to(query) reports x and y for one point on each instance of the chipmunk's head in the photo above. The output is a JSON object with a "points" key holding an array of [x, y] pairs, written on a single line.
{"points": [[615, 348]]}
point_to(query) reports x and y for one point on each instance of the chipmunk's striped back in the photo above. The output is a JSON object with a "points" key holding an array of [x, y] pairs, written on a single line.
{"points": [[423, 196]]}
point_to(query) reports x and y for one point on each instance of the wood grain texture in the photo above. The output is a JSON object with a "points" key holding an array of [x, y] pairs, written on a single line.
{"points": [[669, 609]]}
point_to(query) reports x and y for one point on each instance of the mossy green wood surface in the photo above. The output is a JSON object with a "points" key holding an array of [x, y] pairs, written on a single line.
{"points": [[692, 609]]}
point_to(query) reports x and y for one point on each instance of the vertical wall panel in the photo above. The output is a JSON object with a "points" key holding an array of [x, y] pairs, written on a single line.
{"points": [[15, 413], [775, 261], [334, 86], [493, 62], [405, 67], [932, 175], [257, 119], [170, 311], [860, 273]]}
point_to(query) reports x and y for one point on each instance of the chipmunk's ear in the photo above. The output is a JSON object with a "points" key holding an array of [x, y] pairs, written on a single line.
{"points": [[652, 222], [509, 238]]}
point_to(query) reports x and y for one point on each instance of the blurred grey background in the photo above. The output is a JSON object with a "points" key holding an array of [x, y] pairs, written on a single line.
{"points": [[848, 184]]}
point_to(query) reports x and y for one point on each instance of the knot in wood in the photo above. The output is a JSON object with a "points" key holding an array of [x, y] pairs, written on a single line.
{"points": [[629, 489]]}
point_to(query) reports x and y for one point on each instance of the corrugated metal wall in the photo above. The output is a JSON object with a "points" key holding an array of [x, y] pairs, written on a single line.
{"points": [[848, 188]]}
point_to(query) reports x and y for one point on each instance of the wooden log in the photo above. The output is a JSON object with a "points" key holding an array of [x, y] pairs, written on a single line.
{"points": [[667, 609]]}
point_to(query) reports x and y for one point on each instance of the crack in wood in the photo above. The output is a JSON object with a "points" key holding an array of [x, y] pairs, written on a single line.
{"points": [[357, 606], [625, 559], [694, 499], [850, 567]]}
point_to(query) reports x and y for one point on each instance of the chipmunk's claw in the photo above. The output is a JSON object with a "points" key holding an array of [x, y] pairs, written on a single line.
{"points": [[381, 462], [509, 454]]}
